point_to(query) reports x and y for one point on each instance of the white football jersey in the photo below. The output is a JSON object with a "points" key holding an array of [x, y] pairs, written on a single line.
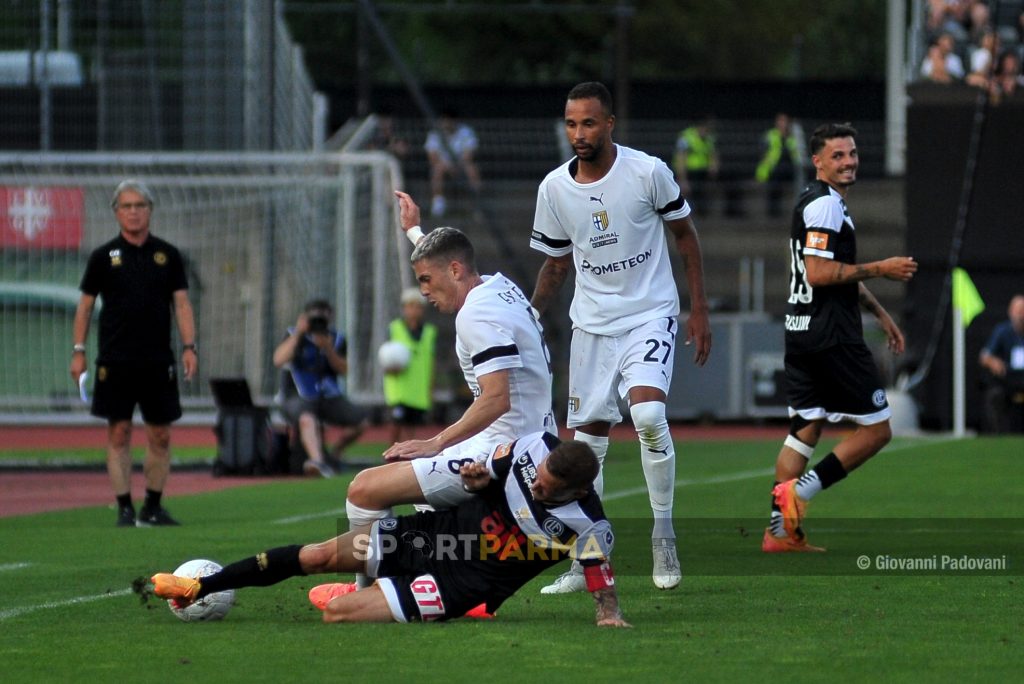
{"points": [[615, 230], [497, 329]]}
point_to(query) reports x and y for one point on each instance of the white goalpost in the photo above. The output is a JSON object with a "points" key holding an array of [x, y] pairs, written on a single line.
{"points": [[260, 232]]}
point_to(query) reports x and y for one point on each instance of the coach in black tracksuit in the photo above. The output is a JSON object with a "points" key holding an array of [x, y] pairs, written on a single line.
{"points": [[830, 373], [141, 279]]}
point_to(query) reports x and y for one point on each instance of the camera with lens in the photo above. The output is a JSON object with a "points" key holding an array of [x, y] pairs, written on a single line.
{"points": [[318, 324]]}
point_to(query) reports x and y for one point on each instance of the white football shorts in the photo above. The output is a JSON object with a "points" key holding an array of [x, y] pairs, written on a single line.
{"points": [[439, 477], [602, 369]]}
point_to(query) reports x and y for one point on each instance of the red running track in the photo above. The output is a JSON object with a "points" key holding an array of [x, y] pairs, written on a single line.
{"points": [[26, 492]]}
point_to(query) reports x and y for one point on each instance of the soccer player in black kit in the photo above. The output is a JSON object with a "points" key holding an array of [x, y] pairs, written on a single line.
{"points": [[535, 505], [830, 373]]}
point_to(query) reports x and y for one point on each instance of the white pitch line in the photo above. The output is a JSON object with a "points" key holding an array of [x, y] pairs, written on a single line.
{"points": [[14, 566], [333, 513], [714, 479], [14, 612]]}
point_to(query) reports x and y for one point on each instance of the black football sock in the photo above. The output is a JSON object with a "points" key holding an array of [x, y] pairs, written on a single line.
{"points": [[261, 570], [125, 501], [828, 471], [152, 502]]}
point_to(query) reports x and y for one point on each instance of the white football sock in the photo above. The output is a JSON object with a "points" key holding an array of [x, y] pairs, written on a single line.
{"points": [[600, 447], [362, 518], [658, 456], [808, 485]]}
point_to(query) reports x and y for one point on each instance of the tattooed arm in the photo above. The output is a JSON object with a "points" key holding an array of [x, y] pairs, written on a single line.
{"points": [[608, 613], [822, 272], [549, 281]]}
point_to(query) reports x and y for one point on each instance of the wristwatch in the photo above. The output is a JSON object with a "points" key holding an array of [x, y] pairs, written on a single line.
{"points": [[78, 349], [189, 347]]}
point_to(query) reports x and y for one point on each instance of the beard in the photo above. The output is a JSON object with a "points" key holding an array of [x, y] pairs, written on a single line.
{"points": [[589, 153]]}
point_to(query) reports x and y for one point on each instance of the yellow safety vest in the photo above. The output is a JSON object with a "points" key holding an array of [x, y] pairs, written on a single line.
{"points": [[771, 158], [412, 386], [698, 150]]}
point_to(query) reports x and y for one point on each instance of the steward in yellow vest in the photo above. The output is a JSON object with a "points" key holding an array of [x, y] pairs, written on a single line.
{"points": [[407, 393]]}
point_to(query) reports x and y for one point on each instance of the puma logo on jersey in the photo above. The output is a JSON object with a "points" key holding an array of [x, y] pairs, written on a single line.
{"points": [[599, 200]]}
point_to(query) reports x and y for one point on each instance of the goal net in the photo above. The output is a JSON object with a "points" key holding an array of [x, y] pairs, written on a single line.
{"points": [[261, 233]]}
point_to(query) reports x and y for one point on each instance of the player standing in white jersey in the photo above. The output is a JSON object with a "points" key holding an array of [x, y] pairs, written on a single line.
{"points": [[504, 359], [605, 211]]}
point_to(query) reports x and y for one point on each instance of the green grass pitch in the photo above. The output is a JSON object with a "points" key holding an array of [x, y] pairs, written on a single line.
{"points": [[739, 615]]}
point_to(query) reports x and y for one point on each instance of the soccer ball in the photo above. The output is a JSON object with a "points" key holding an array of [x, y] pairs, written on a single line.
{"points": [[394, 357], [210, 607]]}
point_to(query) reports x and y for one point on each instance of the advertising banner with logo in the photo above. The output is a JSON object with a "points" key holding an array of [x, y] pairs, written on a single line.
{"points": [[41, 217]]}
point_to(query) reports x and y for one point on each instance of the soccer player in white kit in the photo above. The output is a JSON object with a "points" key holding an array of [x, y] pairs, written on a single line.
{"points": [[604, 213], [500, 346]]}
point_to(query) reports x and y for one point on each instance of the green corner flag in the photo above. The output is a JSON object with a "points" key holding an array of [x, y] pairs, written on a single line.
{"points": [[966, 297]]}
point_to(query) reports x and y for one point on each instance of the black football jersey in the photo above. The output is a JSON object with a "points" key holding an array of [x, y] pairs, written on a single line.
{"points": [[818, 318]]}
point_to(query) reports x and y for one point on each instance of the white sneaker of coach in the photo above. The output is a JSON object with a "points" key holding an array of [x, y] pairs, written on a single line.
{"points": [[666, 573], [568, 582]]}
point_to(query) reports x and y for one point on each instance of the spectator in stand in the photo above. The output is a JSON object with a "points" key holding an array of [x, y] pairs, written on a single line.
{"points": [[450, 148], [936, 66], [978, 19], [954, 66], [983, 58], [1007, 80], [1003, 358], [949, 16], [385, 138]]}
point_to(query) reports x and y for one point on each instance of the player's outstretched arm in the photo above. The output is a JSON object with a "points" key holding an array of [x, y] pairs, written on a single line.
{"points": [[822, 272], [494, 401]]}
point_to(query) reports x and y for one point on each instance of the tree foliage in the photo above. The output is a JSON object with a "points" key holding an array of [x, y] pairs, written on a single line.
{"points": [[480, 43]]}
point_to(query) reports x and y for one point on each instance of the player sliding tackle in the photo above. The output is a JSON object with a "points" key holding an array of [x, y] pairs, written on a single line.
{"points": [[535, 505]]}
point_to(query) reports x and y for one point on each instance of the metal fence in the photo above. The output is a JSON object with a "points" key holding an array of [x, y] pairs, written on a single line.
{"points": [[153, 75]]}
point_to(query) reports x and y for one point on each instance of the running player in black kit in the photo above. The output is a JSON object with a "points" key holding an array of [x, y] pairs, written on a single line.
{"points": [[830, 373]]}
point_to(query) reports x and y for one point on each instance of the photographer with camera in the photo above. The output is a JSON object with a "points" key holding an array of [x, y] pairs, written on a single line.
{"points": [[314, 355]]}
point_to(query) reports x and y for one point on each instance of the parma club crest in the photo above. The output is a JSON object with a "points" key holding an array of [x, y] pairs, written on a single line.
{"points": [[600, 220]]}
